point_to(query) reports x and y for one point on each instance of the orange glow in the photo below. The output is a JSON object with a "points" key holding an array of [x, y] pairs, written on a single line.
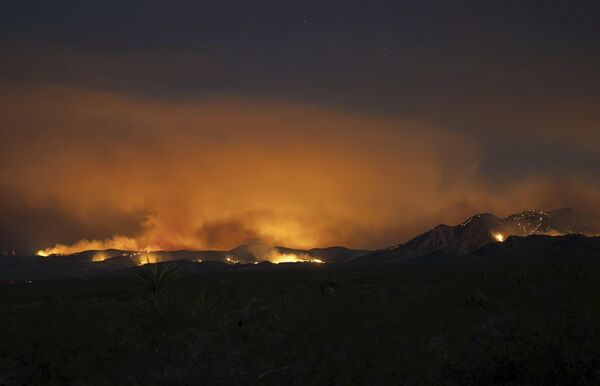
{"points": [[100, 256], [146, 258], [216, 173], [117, 242], [499, 237], [230, 171], [293, 258]]}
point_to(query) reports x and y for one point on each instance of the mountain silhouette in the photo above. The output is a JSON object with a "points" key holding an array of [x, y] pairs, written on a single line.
{"points": [[93, 263], [485, 228], [525, 236]]}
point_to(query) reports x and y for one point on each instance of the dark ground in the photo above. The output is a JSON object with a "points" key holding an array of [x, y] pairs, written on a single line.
{"points": [[327, 325]]}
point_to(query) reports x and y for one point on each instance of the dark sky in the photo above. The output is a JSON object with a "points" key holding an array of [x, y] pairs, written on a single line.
{"points": [[206, 124]]}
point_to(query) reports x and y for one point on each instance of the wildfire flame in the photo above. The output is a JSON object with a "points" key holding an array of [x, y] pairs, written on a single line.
{"points": [[146, 258], [118, 242], [293, 258], [499, 237], [100, 256]]}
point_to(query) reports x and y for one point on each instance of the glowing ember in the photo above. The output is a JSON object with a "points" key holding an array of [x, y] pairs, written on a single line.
{"points": [[231, 260], [499, 237]]}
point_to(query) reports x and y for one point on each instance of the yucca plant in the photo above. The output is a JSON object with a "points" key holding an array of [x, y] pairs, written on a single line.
{"points": [[155, 278], [157, 311]]}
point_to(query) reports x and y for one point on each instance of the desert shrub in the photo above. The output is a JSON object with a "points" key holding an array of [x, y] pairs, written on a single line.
{"points": [[508, 350]]}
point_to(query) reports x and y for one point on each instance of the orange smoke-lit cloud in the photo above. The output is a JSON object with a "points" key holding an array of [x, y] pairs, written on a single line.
{"points": [[220, 172]]}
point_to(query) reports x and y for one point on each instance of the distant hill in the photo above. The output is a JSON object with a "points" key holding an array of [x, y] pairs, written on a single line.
{"points": [[94, 263], [526, 236], [483, 229]]}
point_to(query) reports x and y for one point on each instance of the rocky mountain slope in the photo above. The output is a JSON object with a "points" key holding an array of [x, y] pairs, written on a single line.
{"points": [[483, 229]]}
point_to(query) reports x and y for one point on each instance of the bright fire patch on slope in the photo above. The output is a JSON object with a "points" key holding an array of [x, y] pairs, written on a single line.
{"points": [[499, 237], [100, 256], [146, 258], [144, 254], [293, 258], [275, 257], [45, 252], [118, 242]]}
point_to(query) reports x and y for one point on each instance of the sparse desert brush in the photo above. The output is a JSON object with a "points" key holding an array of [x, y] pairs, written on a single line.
{"points": [[479, 300], [163, 326], [329, 287]]}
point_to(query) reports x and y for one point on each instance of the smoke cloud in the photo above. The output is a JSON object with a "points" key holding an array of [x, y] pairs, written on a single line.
{"points": [[142, 173]]}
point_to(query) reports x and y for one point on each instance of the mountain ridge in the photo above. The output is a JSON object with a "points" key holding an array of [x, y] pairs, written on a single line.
{"points": [[485, 228], [484, 237]]}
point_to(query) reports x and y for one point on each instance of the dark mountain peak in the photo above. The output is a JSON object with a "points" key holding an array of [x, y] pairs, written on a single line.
{"points": [[486, 228], [462, 238]]}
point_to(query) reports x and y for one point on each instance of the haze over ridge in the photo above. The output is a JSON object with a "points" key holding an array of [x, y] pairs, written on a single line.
{"points": [[305, 125]]}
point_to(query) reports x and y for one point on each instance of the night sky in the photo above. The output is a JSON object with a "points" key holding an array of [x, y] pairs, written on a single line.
{"points": [[196, 124]]}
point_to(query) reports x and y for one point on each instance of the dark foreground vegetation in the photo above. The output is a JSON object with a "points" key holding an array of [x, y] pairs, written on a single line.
{"points": [[444, 325]]}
